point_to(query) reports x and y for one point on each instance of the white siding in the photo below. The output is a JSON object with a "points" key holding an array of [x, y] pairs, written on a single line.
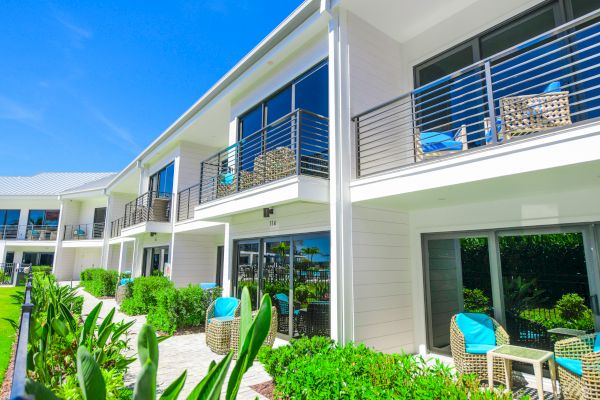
{"points": [[382, 279], [193, 259], [85, 258]]}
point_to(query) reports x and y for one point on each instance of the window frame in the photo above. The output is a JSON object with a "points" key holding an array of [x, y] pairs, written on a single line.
{"points": [[156, 176]]}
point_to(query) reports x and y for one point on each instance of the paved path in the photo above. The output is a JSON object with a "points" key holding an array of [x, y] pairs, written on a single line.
{"points": [[177, 354]]}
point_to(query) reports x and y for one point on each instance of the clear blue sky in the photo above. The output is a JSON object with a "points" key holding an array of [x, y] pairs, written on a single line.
{"points": [[84, 85]]}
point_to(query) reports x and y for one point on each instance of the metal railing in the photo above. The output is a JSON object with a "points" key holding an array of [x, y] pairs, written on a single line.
{"points": [[8, 273], [187, 200], [17, 390], [116, 226], [28, 232], [547, 82], [151, 206], [296, 144], [84, 231]]}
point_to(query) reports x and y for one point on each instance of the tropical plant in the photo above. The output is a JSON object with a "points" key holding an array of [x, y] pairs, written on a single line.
{"points": [[521, 294], [476, 301], [252, 335], [310, 252]]}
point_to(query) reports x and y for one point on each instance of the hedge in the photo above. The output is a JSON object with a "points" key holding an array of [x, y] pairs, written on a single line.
{"points": [[46, 269], [319, 369], [143, 294], [99, 282], [178, 309]]}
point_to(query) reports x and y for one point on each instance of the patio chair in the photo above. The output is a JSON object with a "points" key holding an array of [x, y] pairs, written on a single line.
{"points": [[436, 144], [207, 285], [219, 318], [472, 335], [282, 301], [235, 332], [525, 114], [578, 362]]}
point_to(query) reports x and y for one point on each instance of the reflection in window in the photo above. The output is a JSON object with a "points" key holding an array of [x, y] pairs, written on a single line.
{"points": [[162, 181]]}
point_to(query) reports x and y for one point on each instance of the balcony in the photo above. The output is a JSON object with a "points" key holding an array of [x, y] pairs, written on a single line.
{"points": [[293, 146], [551, 83], [149, 207], [28, 232], [94, 231], [116, 226]]}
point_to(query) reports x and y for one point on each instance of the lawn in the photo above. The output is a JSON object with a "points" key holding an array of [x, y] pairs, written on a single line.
{"points": [[9, 318]]}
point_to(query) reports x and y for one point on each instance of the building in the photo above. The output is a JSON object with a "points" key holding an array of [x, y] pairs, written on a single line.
{"points": [[349, 160]]}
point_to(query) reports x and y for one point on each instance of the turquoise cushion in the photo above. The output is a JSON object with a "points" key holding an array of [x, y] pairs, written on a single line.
{"points": [[597, 344], [439, 141], [569, 364], [125, 281], [79, 232], [479, 348], [227, 318], [227, 179], [477, 328], [225, 306], [553, 87]]}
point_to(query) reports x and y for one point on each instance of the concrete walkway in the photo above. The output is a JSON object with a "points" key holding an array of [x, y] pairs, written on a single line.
{"points": [[177, 354]]}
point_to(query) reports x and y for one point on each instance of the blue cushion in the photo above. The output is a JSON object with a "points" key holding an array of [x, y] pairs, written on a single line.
{"points": [[226, 318], [488, 132], [479, 348], [597, 344], [572, 365], [125, 281], [439, 141], [552, 87], [79, 232], [207, 285], [477, 328], [227, 179], [225, 306]]}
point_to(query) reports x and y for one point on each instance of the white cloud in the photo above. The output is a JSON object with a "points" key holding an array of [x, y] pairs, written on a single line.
{"points": [[12, 110], [121, 136]]}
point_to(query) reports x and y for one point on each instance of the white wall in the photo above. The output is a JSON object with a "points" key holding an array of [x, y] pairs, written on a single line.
{"points": [[194, 258], [383, 286]]}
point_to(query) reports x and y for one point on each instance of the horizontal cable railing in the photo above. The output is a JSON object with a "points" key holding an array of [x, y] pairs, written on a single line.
{"points": [[28, 232], [151, 206], [84, 231], [116, 226], [186, 201], [296, 144], [550, 81]]}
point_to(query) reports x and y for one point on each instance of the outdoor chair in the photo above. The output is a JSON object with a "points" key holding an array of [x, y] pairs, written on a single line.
{"points": [[219, 319], [578, 362], [282, 301], [235, 332], [525, 114], [207, 285], [472, 335], [432, 144]]}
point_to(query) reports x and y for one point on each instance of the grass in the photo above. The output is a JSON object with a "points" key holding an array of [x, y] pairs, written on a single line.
{"points": [[10, 310]]}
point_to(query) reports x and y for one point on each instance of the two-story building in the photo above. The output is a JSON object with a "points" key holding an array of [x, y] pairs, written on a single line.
{"points": [[371, 165]]}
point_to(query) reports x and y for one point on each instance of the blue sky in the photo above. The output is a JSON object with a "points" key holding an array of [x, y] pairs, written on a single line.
{"points": [[84, 86]]}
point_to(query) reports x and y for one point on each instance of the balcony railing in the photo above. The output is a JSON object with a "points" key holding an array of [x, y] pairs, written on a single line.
{"points": [[84, 231], [116, 226], [28, 232], [151, 206], [548, 82], [296, 144]]}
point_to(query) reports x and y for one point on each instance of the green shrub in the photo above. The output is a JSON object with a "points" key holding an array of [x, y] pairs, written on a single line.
{"points": [[99, 282], [569, 312], [318, 369], [476, 301], [46, 269], [144, 291], [178, 309], [571, 306]]}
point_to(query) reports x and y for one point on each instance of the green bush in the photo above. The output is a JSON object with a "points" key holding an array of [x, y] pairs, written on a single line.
{"points": [[46, 269], [476, 301], [99, 282], [144, 291], [178, 309], [569, 312], [318, 369], [571, 306]]}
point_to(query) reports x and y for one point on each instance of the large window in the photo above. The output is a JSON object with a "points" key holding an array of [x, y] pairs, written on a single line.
{"points": [[38, 258], [289, 267], [43, 218], [9, 221], [161, 182]]}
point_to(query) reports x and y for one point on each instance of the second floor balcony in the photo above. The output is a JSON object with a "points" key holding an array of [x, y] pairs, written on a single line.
{"points": [[150, 207], [92, 231], [28, 232], [115, 227], [548, 84], [294, 145]]}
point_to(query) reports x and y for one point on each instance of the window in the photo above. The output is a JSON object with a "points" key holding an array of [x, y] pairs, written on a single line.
{"points": [[43, 217], [38, 258], [9, 221], [162, 181]]}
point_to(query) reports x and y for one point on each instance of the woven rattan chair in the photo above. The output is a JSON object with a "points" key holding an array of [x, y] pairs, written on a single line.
{"points": [[578, 362], [235, 332], [469, 363], [218, 327]]}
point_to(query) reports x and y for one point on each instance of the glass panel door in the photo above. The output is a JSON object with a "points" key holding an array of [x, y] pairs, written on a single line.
{"points": [[275, 282], [458, 278], [248, 255]]}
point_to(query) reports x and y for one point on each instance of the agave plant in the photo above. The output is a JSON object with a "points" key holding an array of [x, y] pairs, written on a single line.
{"points": [[253, 333]]}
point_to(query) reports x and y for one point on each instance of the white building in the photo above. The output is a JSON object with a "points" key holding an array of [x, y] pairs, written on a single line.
{"points": [[350, 159]]}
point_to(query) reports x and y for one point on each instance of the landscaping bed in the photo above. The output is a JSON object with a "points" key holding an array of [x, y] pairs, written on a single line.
{"points": [[99, 282], [11, 299]]}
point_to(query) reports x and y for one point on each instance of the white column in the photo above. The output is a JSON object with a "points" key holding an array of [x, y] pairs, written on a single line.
{"points": [[122, 256], [340, 174], [227, 264]]}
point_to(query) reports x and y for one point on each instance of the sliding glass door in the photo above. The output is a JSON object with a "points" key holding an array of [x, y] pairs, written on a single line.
{"points": [[533, 281], [294, 272]]}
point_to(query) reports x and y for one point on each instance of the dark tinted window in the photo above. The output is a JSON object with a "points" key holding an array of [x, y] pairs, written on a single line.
{"points": [[279, 105], [448, 63], [312, 91], [251, 122], [12, 217], [36, 217], [582, 7]]}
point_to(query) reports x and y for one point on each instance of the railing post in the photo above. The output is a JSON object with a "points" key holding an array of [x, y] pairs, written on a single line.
{"points": [[298, 132], [357, 145], [201, 183], [490, 101]]}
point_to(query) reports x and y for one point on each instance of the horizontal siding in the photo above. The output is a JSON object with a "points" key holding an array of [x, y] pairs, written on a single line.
{"points": [[193, 259], [383, 314]]}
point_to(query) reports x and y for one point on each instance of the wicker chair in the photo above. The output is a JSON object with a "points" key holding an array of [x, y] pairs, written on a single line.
{"points": [[468, 363], [218, 328], [235, 332], [578, 362]]}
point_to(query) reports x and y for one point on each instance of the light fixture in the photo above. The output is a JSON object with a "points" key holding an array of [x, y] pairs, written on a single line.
{"points": [[267, 212]]}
